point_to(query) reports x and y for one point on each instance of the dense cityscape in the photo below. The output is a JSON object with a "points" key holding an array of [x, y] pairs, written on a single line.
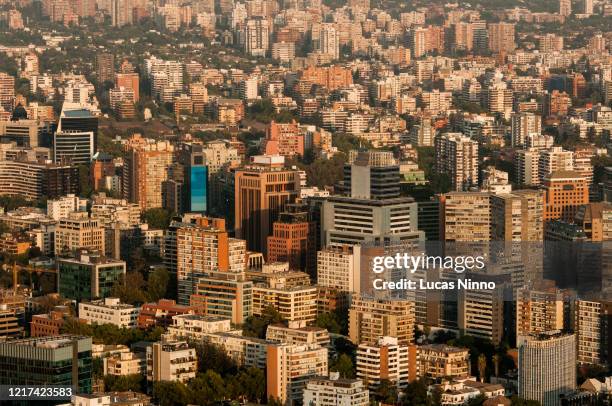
{"points": [[230, 202]]}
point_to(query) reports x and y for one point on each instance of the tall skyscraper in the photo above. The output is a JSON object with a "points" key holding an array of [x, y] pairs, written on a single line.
{"points": [[195, 181], [129, 81], [564, 192], [547, 367], [371, 175], [105, 67], [262, 191], [524, 124], [293, 239], [457, 156]]}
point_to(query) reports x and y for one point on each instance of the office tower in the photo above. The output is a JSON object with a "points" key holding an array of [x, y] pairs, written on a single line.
{"points": [[547, 367], [195, 178], [257, 37], [527, 166], [262, 191], [550, 43], [501, 37], [565, 8], [74, 147], [370, 319], [88, 276], [329, 41], [522, 125], [286, 139], [224, 294], [349, 220], [7, 92], [289, 367], [293, 239], [144, 170], [539, 308], [554, 159], [202, 248], [564, 192], [78, 231], [339, 268], [457, 157], [129, 81], [385, 359], [371, 175], [39, 361], [80, 121], [336, 391], [517, 216], [25, 133], [105, 67], [593, 330], [173, 361]]}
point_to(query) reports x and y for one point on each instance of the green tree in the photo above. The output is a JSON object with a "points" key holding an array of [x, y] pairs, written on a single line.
{"points": [[216, 358], [167, 393], [207, 388], [123, 383], [253, 382], [416, 393], [256, 326], [85, 181], [131, 288], [157, 284], [344, 365], [328, 321], [386, 392], [157, 218]]}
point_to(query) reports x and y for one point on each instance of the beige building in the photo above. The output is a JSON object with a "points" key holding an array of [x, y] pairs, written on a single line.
{"points": [[386, 359], [439, 361], [293, 303], [145, 168], [78, 231], [591, 332], [125, 363], [171, 361], [197, 327], [298, 333], [538, 309], [465, 216], [289, 367], [109, 311], [457, 156], [339, 268], [370, 319], [335, 391]]}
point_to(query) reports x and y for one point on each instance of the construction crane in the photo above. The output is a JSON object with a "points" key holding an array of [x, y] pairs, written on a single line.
{"points": [[29, 269]]}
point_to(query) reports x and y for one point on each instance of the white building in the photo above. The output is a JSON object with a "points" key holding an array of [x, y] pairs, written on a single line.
{"points": [[171, 361], [333, 391], [109, 311], [61, 207], [194, 326], [385, 360], [339, 268]]}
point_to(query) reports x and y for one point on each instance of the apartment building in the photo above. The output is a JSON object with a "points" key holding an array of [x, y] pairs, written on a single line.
{"points": [[457, 156], [334, 391], [385, 359], [370, 319], [110, 310], [171, 361]]}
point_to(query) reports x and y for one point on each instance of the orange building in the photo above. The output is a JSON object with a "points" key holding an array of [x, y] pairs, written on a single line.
{"points": [[101, 167], [14, 244], [129, 81], [293, 239], [564, 192], [332, 77], [262, 191], [160, 313], [284, 139], [47, 324]]}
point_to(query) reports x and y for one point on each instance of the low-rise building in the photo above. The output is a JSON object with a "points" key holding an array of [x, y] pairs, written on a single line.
{"points": [[109, 311], [334, 391]]}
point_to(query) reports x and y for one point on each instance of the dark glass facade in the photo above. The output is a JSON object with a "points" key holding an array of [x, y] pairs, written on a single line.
{"points": [[198, 188]]}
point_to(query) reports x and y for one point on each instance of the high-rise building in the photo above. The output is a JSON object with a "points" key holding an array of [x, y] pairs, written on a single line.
{"points": [[293, 303], [539, 309], [593, 328], [105, 67], [257, 37], [129, 81], [7, 92], [339, 268], [88, 277], [63, 360], [517, 216], [286, 139], [385, 359], [564, 192], [371, 175], [293, 239], [79, 121], [289, 367], [262, 191], [522, 125], [334, 391], [550, 43], [145, 169], [501, 37], [442, 361], [195, 178], [554, 159], [202, 248], [370, 319], [329, 41], [565, 8], [457, 156], [224, 294], [547, 367], [498, 98], [462, 36], [527, 163]]}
